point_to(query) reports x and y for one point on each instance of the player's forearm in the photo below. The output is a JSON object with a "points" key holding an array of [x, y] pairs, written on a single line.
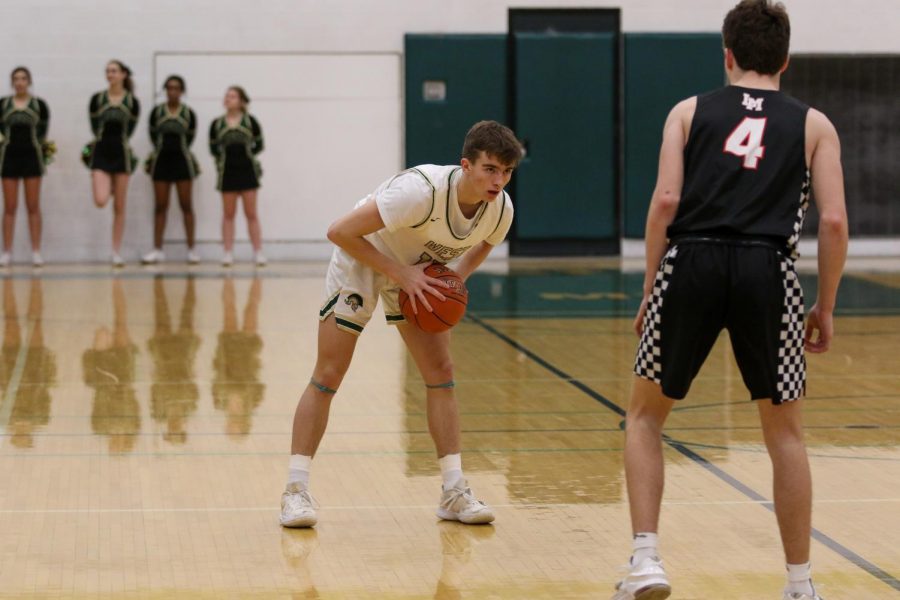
{"points": [[659, 217], [362, 250], [472, 259], [828, 190], [832, 255]]}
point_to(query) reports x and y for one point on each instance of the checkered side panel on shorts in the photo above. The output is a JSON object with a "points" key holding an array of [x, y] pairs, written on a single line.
{"points": [[791, 359], [648, 362], [794, 240]]}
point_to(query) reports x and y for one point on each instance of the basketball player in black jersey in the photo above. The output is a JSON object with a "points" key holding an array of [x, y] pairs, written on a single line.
{"points": [[722, 234]]}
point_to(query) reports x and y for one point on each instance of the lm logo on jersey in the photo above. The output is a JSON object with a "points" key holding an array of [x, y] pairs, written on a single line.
{"points": [[751, 103]]}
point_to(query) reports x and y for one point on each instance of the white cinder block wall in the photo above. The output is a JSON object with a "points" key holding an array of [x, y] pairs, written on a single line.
{"points": [[330, 138]]}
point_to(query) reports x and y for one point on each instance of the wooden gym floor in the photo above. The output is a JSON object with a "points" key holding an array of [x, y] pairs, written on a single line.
{"points": [[145, 430]]}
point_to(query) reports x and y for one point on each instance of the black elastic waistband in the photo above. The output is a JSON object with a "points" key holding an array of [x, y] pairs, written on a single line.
{"points": [[759, 242]]}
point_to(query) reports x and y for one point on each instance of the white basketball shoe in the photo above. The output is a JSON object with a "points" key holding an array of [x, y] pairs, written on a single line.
{"points": [[647, 580], [298, 509], [459, 504]]}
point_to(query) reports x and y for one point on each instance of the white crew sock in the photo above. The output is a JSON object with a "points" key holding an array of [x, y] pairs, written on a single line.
{"points": [[299, 469], [451, 469], [799, 580], [644, 546]]}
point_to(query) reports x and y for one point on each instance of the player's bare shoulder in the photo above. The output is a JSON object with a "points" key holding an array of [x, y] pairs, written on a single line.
{"points": [[685, 108], [683, 114], [820, 131]]}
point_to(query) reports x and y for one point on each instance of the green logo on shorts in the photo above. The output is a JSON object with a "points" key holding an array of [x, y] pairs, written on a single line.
{"points": [[354, 301]]}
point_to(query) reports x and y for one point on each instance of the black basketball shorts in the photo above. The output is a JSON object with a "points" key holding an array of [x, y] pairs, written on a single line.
{"points": [[702, 288]]}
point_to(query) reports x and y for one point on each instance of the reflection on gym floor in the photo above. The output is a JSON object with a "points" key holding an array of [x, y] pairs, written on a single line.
{"points": [[145, 427], [35, 368]]}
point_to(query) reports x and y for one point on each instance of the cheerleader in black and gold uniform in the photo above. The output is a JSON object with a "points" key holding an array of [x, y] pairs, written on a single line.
{"points": [[114, 114], [23, 129], [173, 126], [234, 140]]}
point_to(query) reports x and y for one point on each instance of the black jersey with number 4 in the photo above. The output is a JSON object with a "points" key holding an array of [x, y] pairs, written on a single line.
{"points": [[745, 171]]}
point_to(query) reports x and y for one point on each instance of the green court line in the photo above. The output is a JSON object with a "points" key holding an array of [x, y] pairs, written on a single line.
{"points": [[264, 273], [281, 453], [616, 429], [430, 452], [336, 414], [762, 450], [743, 405], [806, 408]]}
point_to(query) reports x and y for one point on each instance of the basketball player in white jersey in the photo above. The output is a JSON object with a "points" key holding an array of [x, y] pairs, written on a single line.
{"points": [[722, 234], [424, 214]]}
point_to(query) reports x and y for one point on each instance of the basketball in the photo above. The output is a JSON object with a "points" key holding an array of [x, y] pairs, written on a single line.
{"points": [[446, 313]]}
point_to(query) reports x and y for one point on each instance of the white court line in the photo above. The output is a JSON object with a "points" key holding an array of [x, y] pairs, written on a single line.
{"points": [[14, 511]]}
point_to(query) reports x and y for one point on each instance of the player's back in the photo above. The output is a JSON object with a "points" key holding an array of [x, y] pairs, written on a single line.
{"points": [[745, 171]]}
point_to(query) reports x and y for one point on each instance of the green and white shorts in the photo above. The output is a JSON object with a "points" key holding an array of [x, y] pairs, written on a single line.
{"points": [[352, 290]]}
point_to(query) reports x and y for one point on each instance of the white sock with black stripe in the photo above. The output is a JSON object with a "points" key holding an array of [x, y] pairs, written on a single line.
{"points": [[799, 580], [644, 546]]}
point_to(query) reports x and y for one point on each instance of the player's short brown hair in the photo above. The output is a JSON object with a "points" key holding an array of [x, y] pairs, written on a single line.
{"points": [[493, 139], [758, 33]]}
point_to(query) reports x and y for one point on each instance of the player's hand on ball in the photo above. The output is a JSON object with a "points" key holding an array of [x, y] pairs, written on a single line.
{"points": [[821, 321], [416, 284]]}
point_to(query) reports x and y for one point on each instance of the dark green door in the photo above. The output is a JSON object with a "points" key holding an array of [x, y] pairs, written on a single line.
{"points": [[565, 112]]}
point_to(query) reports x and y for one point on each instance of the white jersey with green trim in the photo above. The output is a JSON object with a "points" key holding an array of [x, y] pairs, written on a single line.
{"points": [[423, 220]]}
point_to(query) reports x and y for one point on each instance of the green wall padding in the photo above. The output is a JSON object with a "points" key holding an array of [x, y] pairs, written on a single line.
{"points": [[474, 70], [660, 70]]}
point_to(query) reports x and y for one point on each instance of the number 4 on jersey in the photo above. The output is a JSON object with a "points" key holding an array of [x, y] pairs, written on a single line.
{"points": [[746, 141]]}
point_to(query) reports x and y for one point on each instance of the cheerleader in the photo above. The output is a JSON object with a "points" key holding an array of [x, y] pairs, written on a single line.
{"points": [[23, 129], [114, 114], [235, 139], [173, 126]]}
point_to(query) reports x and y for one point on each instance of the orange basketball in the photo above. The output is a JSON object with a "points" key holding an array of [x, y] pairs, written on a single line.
{"points": [[447, 313]]}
